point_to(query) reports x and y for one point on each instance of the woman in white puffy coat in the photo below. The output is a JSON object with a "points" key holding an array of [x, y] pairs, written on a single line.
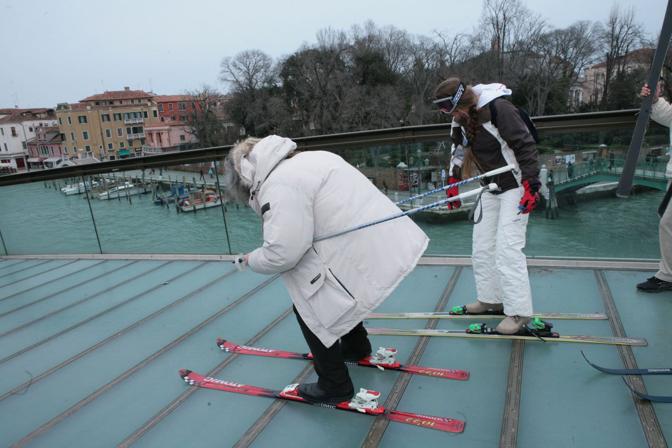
{"points": [[336, 282]]}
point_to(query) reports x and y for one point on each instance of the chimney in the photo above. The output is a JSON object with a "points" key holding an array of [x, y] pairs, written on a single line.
{"points": [[127, 88]]}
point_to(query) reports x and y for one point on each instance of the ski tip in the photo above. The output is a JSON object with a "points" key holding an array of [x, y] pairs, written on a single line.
{"points": [[220, 342], [184, 373]]}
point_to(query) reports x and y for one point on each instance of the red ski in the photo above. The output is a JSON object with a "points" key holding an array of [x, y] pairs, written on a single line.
{"points": [[290, 393], [451, 374]]}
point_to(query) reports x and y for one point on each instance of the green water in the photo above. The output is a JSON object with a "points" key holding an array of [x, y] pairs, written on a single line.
{"points": [[40, 220]]}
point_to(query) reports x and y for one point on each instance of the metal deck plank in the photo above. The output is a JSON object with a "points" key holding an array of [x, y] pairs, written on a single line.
{"points": [[39, 360], [645, 410], [558, 386], [647, 315], [193, 319], [66, 283], [379, 426]]}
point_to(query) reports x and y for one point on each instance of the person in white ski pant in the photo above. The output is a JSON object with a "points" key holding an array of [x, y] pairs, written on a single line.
{"points": [[482, 143], [500, 266]]}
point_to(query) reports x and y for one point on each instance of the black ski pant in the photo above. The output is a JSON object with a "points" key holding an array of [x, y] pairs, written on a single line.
{"points": [[332, 372]]}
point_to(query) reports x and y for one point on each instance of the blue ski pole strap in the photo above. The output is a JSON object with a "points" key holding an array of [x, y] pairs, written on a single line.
{"points": [[494, 172]]}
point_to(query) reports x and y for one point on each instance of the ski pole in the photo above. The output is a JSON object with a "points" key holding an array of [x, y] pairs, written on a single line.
{"points": [[494, 172], [459, 197]]}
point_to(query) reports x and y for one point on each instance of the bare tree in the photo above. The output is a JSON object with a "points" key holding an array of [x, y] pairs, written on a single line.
{"points": [[554, 65], [208, 122], [620, 36], [247, 71]]}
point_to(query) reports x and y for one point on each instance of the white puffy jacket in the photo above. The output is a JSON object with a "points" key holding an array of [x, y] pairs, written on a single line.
{"points": [[661, 112], [333, 283]]}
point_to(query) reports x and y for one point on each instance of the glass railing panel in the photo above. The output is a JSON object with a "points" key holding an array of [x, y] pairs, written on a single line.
{"points": [[584, 168], [169, 209], [587, 222], [40, 218]]}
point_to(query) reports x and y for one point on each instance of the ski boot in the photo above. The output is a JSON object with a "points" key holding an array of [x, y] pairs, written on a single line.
{"points": [[313, 393], [365, 400], [537, 327], [512, 325], [478, 308]]}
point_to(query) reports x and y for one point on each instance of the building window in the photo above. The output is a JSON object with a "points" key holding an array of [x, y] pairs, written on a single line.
{"points": [[121, 144], [14, 134], [23, 144], [82, 119], [105, 117], [182, 138], [87, 148], [69, 120], [108, 133], [60, 121], [85, 135], [2, 131], [65, 149], [144, 113], [154, 113], [110, 146], [72, 136], [160, 107], [6, 147], [170, 106], [129, 131], [183, 118], [30, 129], [117, 117], [183, 106]]}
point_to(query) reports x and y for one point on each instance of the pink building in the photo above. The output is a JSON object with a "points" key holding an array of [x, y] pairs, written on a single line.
{"points": [[167, 136], [45, 150]]}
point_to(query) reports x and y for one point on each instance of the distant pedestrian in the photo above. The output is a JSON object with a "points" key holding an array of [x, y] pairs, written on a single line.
{"points": [[202, 176], [661, 112], [611, 160]]}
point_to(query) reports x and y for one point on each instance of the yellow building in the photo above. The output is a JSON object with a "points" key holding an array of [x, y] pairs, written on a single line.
{"points": [[108, 125]]}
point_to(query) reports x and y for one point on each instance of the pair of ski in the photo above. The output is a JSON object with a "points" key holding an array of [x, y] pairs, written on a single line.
{"points": [[290, 393], [626, 372], [485, 332]]}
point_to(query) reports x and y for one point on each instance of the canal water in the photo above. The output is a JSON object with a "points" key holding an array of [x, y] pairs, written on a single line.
{"points": [[38, 219]]}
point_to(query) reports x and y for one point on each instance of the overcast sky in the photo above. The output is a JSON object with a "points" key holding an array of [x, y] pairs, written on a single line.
{"points": [[63, 51]]}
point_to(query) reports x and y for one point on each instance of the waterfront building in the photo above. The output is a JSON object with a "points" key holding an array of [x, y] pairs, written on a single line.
{"points": [[108, 125], [177, 107], [167, 136], [17, 127], [45, 150]]}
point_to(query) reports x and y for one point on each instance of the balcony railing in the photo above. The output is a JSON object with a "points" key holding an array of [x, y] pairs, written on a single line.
{"points": [[134, 120], [136, 135]]}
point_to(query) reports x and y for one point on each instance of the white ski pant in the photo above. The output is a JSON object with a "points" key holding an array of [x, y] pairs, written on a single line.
{"points": [[500, 267]]}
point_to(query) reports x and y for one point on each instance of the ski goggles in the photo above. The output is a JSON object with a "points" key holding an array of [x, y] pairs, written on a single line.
{"points": [[448, 104]]}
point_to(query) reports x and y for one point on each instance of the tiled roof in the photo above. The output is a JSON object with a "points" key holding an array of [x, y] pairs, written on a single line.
{"points": [[173, 98], [118, 95], [25, 116], [16, 110]]}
